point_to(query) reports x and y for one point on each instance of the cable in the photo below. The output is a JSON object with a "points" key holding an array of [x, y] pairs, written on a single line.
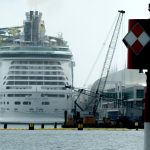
{"points": [[99, 53]]}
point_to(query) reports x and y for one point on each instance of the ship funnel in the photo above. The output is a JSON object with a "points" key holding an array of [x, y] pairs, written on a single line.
{"points": [[32, 26], [31, 15]]}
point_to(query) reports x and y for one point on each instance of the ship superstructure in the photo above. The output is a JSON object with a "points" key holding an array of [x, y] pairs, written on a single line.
{"points": [[35, 70]]}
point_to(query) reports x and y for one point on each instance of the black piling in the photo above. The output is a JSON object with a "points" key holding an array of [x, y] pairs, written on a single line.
{"points": [[80, 124], [65, 118], [136, 125], [5, 125], [42, 126], [31, 126], [55, 125]]}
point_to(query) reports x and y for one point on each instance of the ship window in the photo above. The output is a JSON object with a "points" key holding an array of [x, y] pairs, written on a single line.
{"points": [[35, 72], [13, 72], [26, 103], [53, 73], [63, 49], [129, 94], [19, 95], [54, 83], [54, 78], [139, 93], [17, 103], [61, 95], [21, 83], [52, 95], [17, 78], [18, 87], [35, 83], [32, 83], [35, 67], [15, 109], [10, 77], [39, 83], [53, 88], [31, 110], [40, 110], [21, 78], [35, 62], [36, 77], [45, 103], [10, 83], [18, 67], [139, 103], [7, 103], [10, 95], [51, 63], [52, 68]]}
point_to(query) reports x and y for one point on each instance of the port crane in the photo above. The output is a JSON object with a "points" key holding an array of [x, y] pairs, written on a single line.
{"points": [[97, 95], [107, 63]]}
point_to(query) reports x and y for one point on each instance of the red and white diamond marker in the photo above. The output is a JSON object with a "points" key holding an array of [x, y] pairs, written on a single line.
{"points": [[136, 38]]}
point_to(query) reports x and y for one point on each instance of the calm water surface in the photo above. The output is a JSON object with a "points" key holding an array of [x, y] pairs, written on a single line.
{"points": [[71, 140]]}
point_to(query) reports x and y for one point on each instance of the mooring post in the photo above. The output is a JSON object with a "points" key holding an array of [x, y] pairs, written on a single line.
{"points": [[42, 126], [147, 113], [5, 125], [80, 124], [136, 125], [55, 125], [31, 126], [65, 118]]}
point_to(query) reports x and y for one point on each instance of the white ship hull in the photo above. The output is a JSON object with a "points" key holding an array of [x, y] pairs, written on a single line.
{"points": [[35, 112], [35, 99], [35, 71]]}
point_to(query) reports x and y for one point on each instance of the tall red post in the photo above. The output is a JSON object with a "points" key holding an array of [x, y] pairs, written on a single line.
{"points": [[138, 42], [147, 114]]}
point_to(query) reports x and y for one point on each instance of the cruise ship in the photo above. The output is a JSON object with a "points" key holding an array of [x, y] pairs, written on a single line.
{"points": [[35, 70]]}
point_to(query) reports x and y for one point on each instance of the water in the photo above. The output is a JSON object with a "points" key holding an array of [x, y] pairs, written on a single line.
{"points": [[71, 140]]}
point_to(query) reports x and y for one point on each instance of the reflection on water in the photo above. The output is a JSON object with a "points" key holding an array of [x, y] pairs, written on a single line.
{"points": [[71, 140]]}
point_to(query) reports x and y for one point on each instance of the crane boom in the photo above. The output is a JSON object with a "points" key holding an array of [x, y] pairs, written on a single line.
{"points": [[107, 62]]}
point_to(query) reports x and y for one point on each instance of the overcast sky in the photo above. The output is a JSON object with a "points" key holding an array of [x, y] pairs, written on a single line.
{"points": [[84, 24]]}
